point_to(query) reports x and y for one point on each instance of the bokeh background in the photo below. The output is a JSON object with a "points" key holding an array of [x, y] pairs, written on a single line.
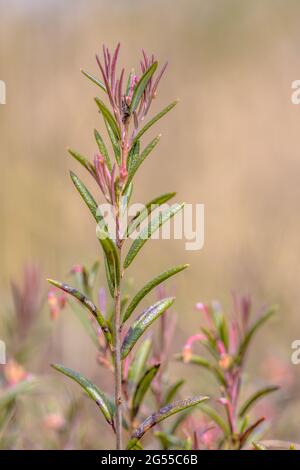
{"points": [[232, 143]]}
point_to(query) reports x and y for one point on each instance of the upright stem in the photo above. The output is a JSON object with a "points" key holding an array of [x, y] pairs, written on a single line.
{"points": [[117, 348], [118, 324]]}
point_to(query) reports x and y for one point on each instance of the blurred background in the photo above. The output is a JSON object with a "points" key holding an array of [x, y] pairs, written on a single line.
{"points": [[231, 143]]}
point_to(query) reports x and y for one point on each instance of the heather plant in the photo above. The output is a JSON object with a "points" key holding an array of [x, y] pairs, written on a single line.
{"points": [[124, 115], [227, 340]]}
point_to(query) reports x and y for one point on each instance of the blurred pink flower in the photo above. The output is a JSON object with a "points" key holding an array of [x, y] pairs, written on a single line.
{"points": [[56, 301], [187, 349], [54, 421], [14, 373]]}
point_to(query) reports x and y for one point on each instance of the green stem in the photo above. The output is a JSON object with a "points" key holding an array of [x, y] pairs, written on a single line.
{"points": [[117, 349]]}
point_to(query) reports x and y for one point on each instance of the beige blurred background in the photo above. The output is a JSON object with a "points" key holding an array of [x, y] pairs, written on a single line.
{"points": [[232, 144]]}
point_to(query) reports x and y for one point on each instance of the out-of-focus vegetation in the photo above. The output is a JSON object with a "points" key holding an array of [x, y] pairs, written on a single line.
{"points": [[231, 144]]}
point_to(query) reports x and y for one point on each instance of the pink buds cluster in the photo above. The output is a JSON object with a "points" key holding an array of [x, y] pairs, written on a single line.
{"points": [[120, 98], [105, 178]]}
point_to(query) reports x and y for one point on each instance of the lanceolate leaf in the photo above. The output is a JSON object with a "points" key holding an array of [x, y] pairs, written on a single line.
{"points": [[102, 149], [150, 286], [91, 389], [108, 117], [203, 362], [154, 224], [179, 420], [149, 207], [114, 142], [216, 418], [244, 345], [142, 388], [88, 199], [94, 79], [138, 364], [140, 87], [161, 415], [109, 278], [95, 311], [112, 256], [154, 120], [256, 396], [129, 82], [133, 155], [80, 312], [243, 438], [126, 198], [172, 391], [143, 322], [136, 163], [82, 160]]}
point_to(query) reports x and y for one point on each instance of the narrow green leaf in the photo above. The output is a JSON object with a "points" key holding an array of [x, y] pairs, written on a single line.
{"points": [[80, 312], [221, 326], [143, 322], [93, 274], [172, 391], [210, 343], [109, 248], [216, 418], [256, 396], [164, 413], [95, 311], [114, 142], [244, 345], [224, 333], [142, 388], [125, 199], [109, 278], [94, 79], [141, 85], [102, 149], [109, 118], [203, 362], [150, 286], [91, 389], [133, 155], [154, 120], [149, 207], [243, 424], [154, 224], [111, 253], [138, 364], [88, 199], [246, 434], [129, 82], [136, 163], [179, 420], [124, 302], [82, 160]]}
